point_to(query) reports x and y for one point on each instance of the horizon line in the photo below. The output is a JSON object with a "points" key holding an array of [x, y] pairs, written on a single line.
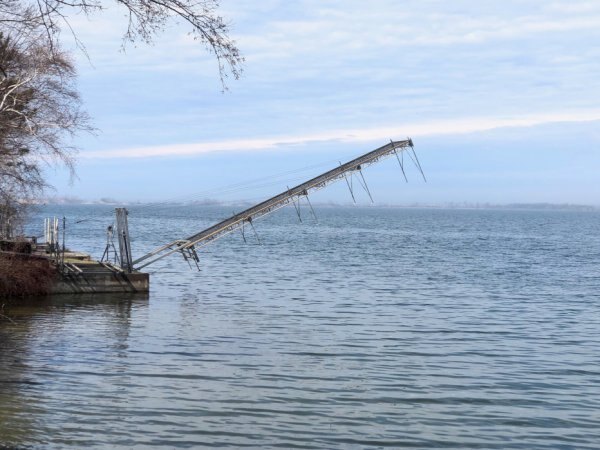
{"points": [[241, 202]]}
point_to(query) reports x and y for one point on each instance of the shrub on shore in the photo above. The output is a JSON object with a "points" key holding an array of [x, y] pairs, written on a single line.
{"points": [[22, 275]]}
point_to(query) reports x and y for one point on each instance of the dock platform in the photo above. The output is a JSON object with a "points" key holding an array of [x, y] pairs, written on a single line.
{"points": [[79, 273], [96, 277]]}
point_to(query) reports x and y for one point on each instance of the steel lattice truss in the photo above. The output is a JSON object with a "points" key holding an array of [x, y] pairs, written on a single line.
{"points": [[187, 247]]}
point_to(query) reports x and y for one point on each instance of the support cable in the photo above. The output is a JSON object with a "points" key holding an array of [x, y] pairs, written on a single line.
{"points": [[364, 184], [400, 161], [349, 185], [296, 207], [254, 229], [311, 208]]}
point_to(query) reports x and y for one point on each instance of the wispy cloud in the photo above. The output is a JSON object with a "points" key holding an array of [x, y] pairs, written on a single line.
{"points": [[338, 28], [350, 26], [375, 134], [325, 74]]}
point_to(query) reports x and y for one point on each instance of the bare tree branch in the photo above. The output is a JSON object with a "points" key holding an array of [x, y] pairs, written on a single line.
{"points": [[146, 20], [39, 108], [39, 105]]}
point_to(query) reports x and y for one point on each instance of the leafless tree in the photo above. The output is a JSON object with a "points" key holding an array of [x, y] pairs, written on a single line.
{"points": [[39, 108], [39, 105]]}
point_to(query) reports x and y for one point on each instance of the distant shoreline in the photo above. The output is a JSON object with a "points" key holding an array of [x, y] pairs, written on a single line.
{"points": [[241, 203]]}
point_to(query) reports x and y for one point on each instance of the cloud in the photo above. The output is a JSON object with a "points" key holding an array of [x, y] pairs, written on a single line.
{"points": [[358, 26], [374, 134], [336, 30], [344, 66]]}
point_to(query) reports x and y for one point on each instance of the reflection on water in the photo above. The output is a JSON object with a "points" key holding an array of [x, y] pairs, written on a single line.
{"points": [[374, 328], [51, 330], [16, 414]]}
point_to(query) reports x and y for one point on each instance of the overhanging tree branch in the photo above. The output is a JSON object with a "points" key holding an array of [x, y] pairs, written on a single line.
{"points": [[146, 20]]}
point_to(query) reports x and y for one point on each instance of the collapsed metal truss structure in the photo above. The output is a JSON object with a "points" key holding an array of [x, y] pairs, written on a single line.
{"points": [[187, 247]]}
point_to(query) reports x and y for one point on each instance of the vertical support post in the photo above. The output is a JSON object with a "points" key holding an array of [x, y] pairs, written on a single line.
{"points": [[124, 241], [63, 240], [55, 243]]}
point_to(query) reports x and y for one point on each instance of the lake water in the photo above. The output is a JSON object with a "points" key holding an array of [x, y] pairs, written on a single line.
{"points": [[373, 328]]}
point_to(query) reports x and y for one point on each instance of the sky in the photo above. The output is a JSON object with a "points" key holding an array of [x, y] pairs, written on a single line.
{"points": [[501, 100]]}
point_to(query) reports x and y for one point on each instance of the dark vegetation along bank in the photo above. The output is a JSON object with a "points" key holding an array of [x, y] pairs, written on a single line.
{"points": [[23, 274]]}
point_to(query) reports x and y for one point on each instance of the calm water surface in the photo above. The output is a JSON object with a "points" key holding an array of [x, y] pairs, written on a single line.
{"points": [[373, 328]]}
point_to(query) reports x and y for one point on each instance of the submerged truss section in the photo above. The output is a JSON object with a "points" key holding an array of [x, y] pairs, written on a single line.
{"points": [[187, 247]]}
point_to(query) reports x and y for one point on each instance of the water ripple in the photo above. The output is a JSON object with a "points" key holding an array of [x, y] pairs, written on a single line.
{"points": [[376, 328]]}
